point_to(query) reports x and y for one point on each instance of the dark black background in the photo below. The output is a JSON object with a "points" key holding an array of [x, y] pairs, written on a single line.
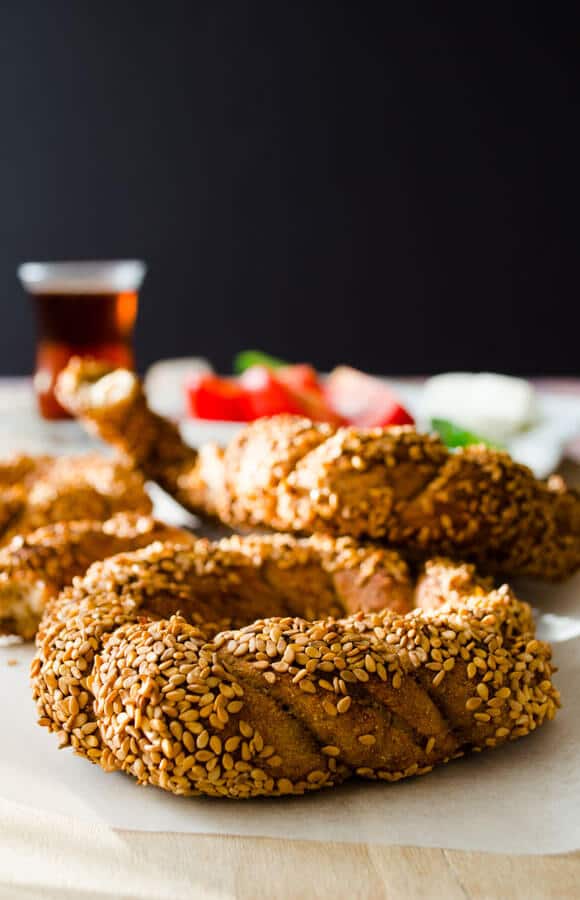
{"points": [[332, 182]]}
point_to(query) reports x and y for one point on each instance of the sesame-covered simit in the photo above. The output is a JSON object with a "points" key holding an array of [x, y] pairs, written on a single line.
{"points": [[39, 490], [35, 567], [161, 663], [394, 485]]}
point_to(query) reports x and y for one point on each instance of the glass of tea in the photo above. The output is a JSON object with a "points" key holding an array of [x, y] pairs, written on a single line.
{"points": [[82, 309]]}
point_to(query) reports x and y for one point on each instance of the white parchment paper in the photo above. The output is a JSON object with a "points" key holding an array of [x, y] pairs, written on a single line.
{"points": [[522, 798]]}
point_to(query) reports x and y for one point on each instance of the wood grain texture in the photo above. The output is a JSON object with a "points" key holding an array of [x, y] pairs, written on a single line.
{"points": [[153, 867]]}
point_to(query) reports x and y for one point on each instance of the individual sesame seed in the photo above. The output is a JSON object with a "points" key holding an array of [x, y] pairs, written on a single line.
{"points": [[330, 750], [473, 703], [329, 708], [246, 729], [439, 678], [361, 674]]}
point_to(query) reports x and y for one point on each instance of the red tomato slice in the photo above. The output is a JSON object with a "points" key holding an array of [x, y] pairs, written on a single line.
{"points": [[300, 377], [365, 401], [392, 413], [264, 395], [211, 397]]}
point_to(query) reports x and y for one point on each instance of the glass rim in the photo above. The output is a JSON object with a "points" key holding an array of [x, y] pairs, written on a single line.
{"points": [[82, 276]]}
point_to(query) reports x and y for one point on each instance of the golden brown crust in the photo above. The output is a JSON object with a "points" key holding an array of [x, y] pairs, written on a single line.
{"points": [[39, 490], [36, 566], [442, 579], [392, 485], [113, 406], [283, 705], [406, 489]]}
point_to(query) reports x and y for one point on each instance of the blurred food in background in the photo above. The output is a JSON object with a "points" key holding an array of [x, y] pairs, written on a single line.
{"points": [[364, 400], [463, 408], [266, 386], [164, 384], [496, 407]]}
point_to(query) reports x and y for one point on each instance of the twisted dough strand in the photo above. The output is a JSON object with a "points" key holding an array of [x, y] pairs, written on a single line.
{"points": [[112, 405], [36, 566], [39, 490], [283, 705], [393, 485]]}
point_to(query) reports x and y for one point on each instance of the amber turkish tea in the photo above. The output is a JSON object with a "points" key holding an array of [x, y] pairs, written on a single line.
{"points": [[81, 309]]}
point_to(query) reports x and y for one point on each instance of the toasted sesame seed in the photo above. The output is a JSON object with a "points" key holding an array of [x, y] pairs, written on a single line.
{"points": [[439, 678], [329, 708], [246, 729], [473, 703], [343, 704], [330, 750]]}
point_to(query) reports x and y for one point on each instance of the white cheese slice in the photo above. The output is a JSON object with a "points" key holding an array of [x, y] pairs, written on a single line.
{"points": [[493, 406]]}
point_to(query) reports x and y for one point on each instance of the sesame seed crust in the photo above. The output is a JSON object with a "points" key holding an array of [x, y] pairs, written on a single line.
{"points": [[404, 488], [148, 665], [393, 485], [36, 566], [39, 490]]}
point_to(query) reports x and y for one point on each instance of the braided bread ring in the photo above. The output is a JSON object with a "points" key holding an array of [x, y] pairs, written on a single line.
{"points": [[38, 490], [290, 474], [36, 566], [283, 705]]}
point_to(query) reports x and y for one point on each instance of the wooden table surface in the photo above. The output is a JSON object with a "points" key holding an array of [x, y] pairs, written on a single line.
{"points": [[153, 867], [253, 869], [262, 868], [216, 867]]}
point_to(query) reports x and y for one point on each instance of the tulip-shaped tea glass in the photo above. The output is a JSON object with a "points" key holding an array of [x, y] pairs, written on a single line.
{"points": [[82, 309]]}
